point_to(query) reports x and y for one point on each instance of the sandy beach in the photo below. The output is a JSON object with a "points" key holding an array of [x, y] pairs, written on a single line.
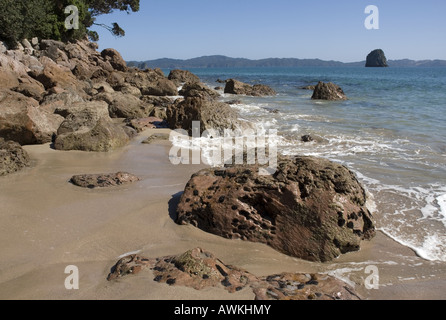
{"points": [[48, 224]]}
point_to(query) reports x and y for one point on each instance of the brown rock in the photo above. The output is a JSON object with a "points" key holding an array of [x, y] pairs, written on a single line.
{"points": [[125, 105], [182, 76], [212, 115], [198, 89], [160, 87], [200, 269], [310, 208], [12, 157], [328, 91], [237, 87], [30, 88], [142, 124], [115, 59], [89, 128], [24, 121], [92, 181], [55, 75]]}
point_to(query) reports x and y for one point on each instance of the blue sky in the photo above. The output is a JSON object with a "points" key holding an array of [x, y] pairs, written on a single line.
{"points": [[256, 29]]}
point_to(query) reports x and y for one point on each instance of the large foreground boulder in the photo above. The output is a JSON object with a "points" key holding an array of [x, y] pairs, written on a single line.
{"points": [[12, 157], [237, 87], [212, 115], [328, 91], [201, 270], [376, 59], [310, 208]]}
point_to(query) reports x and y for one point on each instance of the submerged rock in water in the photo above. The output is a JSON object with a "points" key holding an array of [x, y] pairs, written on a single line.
{"points": [[200, 269], [237, 87], [310, 208], [92, 181], [328, 91], [376, 58]]}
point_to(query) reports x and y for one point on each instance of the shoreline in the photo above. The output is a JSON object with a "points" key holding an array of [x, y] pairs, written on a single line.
{"points": [[49, 224]]}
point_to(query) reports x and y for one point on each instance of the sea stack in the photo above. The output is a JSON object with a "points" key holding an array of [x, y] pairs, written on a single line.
{"points": [[376, 58]]}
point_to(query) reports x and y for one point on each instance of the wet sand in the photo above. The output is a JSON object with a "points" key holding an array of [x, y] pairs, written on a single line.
{"points": [[48, 223]]}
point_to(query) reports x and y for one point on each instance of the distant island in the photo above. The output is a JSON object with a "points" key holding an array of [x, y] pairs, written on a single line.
{"points": [[219, 61]]}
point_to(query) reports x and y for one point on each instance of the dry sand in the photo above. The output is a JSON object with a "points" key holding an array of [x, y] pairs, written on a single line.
{"points": [[48, 224]]}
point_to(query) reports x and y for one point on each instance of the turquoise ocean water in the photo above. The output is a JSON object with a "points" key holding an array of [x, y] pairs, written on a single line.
{"points": [[391, 133]]}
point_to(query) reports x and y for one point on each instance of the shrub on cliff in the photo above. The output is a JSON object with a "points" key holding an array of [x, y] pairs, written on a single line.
{"points": [[46, 18]]}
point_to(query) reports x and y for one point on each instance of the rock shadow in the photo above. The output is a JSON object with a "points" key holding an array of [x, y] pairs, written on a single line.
{"points": [[173, 205]]}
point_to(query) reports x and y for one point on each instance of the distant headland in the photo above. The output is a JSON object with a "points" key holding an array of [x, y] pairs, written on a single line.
{"points": [[219, 61]]}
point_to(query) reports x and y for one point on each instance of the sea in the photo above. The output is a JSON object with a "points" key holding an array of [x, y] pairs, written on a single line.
{"points": [[391, 132]]}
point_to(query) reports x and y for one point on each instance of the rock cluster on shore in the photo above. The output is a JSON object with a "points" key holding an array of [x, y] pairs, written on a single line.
{"points": [[76, 97], [200, 269]]}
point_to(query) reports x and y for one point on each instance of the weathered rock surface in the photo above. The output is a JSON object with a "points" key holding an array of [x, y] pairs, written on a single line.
{"points": [[160, 87], [24, 121], [12, 157], [182, 76], [237, 87], [199, 90], [92, 181], [142, 124], [212, 115], [89, 128], [125, 106], [115, 59], [310, 208], [328, 91], [200, 269], [376, 58]]}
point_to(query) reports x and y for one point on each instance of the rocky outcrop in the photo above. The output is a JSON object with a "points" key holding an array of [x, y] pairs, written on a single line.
{"points": [[310, 208], [182, 76], [328, 91], [376, 58], [237, 87], [212, 115], [12, 157], [200, 269], [92, 181]]}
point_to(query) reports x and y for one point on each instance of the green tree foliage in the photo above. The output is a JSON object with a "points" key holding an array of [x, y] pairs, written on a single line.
{"points": [[45, 19]]}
